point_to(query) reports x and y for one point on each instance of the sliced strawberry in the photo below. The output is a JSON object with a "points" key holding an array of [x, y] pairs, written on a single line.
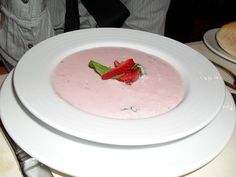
{"points": [[122, 68], [116, 63], [130, 76]]}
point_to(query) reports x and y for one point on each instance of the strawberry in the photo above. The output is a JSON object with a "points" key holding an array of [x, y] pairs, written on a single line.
{"points": [[120, 69], [116, 63], [130, 76], [125, 71]]}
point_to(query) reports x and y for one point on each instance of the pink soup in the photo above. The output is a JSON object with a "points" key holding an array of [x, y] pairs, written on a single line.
{"points": [[158, 91]]}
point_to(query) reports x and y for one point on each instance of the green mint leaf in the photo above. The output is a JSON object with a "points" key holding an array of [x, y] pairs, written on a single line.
{"points": [[99, 68], [139, 66]]}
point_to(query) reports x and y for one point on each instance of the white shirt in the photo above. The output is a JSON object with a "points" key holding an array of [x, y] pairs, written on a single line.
{"points": [[24, 23]]}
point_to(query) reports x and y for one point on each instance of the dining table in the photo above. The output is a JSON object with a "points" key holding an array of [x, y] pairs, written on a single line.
{"points": [[224, 165]]}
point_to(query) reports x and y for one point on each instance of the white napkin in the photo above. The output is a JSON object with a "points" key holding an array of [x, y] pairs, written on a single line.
{"points": [[9, 166]]}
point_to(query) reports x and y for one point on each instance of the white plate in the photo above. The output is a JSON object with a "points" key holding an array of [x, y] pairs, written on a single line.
{"points": [[205, 90], [86, 159], [209, 39]]}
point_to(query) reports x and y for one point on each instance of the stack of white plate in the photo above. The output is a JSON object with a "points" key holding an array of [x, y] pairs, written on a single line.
{"points": [[209, 39], [80, 144]]}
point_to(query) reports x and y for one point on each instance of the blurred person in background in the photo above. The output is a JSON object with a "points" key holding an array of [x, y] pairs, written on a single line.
{"points": [[24, 23]]}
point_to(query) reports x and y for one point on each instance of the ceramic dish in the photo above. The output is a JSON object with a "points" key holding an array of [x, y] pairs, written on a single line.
{"points": [[77, 157], [209, 39], [32, 82]]}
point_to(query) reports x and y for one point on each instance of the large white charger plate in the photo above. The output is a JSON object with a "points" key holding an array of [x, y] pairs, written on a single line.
{"points": [[204, 88], [209, 39], [78, 157]]}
